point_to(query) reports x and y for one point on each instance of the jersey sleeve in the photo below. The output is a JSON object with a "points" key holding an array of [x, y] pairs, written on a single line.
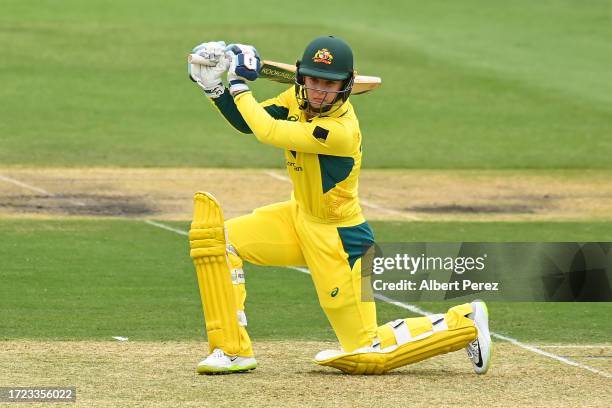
{"points": [[226, 106], [330, 136], [277, 107]]}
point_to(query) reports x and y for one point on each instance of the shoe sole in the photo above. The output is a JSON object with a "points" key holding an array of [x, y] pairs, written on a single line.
{"points": [[487, 362], [220, 371]]}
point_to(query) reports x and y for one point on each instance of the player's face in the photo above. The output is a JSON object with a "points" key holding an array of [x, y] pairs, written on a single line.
{"points": [[321, 91]]}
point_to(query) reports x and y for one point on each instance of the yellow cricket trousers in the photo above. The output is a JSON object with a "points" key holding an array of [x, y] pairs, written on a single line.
{"points": [[282, 235]]}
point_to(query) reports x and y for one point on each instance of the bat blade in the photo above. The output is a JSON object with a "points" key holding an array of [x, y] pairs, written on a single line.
{"points": [[285, 74], [278, 72], [365, 84]]}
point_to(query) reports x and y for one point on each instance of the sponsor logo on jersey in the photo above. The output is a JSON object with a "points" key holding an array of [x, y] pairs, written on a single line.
{"points": [[296, 168], [323, 56]]}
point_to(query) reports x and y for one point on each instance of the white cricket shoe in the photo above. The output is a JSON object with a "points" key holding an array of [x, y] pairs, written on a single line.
{"points": [[479, 350], [220, 363]]}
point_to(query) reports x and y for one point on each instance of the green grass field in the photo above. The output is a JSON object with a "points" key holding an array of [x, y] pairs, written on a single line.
{"points": [[467, 85], [94, 279], [108, 84]]}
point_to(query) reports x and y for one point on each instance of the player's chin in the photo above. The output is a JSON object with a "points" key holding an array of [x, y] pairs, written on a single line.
{"points": [[316, 104]]}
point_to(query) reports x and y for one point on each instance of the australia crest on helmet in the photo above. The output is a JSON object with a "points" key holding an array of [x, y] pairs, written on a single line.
{"points": [[323, 55]]}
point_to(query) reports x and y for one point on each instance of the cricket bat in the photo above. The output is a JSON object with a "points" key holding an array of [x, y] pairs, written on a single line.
{"points": [[285, 74]]}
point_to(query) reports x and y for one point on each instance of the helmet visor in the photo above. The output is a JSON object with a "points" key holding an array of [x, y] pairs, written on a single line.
{"points": [[319, 73]]}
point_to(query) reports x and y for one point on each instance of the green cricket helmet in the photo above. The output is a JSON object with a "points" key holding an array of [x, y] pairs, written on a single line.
{"points": [[330, 58]]}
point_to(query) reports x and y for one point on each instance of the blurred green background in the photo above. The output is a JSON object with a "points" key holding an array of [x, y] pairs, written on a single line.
{"points": [[471, 84]]}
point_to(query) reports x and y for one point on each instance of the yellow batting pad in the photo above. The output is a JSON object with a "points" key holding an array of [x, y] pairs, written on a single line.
{"points": [[406, 341], [207, 242], [207, 234], [354, 363], [379, 362]]}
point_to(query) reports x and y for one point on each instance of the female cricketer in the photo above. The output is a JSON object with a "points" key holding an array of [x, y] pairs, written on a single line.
{"points": [[321, 226]]}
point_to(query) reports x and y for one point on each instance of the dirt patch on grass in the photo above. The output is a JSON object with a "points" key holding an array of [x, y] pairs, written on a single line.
{"points": [[468, 195], [79, 204], [156, 374], [474, 209]]}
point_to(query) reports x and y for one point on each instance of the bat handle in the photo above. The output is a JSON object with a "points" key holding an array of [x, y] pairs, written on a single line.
{"points": [[198, 60]]}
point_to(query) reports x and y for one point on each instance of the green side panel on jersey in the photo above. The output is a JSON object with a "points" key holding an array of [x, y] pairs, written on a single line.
{"points": [[277, 112], [356, 240], [334, 169]]}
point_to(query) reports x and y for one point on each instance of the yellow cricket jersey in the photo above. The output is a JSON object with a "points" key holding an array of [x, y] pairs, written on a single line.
{"points": [[323, 154]]}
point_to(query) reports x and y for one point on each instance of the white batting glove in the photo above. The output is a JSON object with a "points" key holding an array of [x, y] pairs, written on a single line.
{"points": [[245, 64], [208, 75]]}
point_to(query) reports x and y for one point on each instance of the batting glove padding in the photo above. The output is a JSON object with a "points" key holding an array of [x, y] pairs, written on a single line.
{"points": [[208, 75], [245, 65]]}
